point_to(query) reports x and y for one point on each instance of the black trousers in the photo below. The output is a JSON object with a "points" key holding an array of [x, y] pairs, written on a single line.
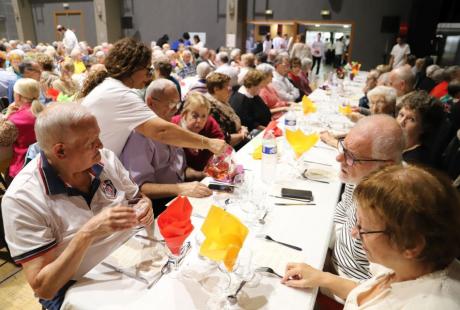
{"points": [[316, 60]]}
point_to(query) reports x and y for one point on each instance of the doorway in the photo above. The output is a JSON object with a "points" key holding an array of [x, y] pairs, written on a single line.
{"points": [[72, 20]]}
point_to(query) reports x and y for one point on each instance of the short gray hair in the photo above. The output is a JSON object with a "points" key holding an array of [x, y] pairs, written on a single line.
{"points": [[222, 57], [203, 69], [431, 69], [305, 62], [438, 75], [235, 52], [265, 68], [385, 135], [389, 93], [279, 59], [157, 88], [405, 73], [56, 123]]}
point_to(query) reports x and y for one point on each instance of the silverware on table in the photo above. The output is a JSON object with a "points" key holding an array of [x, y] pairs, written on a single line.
{"points": [[305, 176], [268, 270], [268, 238], [295, 204], [232, 299], [149, 238], [125, 272], [318, 163], [164, 270], [262, 219], [289, 198]]}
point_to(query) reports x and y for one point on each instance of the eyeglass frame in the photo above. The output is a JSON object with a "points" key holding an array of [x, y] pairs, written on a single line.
{"points": [[348, 155], [170, 104], [361, 233]]}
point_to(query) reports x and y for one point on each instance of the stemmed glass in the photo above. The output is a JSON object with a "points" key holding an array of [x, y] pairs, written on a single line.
{"points": [[230, 280], [176, 256], [299, 148]]}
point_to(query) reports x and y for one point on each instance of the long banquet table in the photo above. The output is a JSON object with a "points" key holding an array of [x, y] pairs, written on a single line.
{"points": [[307, 226]]}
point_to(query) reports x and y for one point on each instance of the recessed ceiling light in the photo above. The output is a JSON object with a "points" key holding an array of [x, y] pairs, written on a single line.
{"points": [[346, 26], [317, 25]]}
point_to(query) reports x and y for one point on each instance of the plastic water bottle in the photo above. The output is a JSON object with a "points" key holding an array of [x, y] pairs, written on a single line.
{"points": [[269, 157], [290, 120]]}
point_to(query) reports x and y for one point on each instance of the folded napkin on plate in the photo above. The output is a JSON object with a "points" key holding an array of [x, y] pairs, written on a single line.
{"points": [[174, 223], [307, 105], [225, 235], [301, 142], [273, 126]]}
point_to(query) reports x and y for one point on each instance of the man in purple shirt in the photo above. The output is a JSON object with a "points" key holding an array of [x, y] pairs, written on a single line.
{"points": [[159, 169]]}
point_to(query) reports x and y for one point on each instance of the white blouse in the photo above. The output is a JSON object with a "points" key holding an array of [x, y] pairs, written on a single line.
{"points": [[437, 290]]}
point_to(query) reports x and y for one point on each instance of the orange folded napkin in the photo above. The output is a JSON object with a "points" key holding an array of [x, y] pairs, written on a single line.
{"points": [[273, 126], [225, 235], [307, 105], [301, 142], [175, 225]]}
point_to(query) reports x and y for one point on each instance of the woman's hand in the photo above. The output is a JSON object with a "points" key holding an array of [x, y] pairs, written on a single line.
{"points": [[302, 276], [355, 116]]}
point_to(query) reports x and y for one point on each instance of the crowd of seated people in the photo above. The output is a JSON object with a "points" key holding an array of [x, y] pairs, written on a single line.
{"points": [[155, 116]]}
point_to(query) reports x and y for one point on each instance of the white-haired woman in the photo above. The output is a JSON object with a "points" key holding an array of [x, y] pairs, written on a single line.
{"points": [[202, 71], [21, 113], [269, 95]]}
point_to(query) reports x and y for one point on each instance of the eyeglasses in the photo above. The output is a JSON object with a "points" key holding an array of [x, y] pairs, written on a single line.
{"points": [[350, 159], [360, 232]]}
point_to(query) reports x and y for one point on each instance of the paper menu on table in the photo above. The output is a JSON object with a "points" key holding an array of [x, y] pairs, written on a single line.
{"points": [[270, 254]]}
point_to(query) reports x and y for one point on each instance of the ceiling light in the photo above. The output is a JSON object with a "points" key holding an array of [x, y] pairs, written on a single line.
{"points": [[346, 26], [317, 25]]}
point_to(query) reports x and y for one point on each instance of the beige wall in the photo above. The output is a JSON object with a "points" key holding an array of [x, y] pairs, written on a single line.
{"points": [[24, 20]]}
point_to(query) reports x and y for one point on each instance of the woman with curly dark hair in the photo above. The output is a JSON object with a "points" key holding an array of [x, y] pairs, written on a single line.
{"points": [[111, 97]]}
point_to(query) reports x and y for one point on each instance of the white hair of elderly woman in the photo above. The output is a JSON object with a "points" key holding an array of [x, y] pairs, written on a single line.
{"points": [[203, 69], [265, 68], [157, 87], [235, 53], [306, 63], [57, 121], [388, 93], [431, 69]]}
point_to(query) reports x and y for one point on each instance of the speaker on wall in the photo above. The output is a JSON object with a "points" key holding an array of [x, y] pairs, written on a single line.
{"points": [[390, 24], [127, 22]]}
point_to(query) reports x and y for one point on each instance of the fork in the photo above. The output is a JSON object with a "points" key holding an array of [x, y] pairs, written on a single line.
{"points": [[268, 270]]}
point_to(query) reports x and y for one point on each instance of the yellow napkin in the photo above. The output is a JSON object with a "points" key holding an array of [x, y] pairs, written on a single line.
{"points": [[225, 235], [257, 153], [307, 105], [301, 142], [345, 109]]}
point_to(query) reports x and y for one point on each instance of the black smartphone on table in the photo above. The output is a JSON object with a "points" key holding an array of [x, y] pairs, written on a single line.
{"points": [[221, 187], [297, 193]]}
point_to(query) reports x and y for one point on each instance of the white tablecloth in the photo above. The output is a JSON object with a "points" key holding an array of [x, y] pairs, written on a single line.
{"points": [[308, 227]]}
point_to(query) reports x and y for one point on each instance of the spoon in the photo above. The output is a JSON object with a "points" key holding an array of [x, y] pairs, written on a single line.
{"points": [[232, 299], [267, 237], [262, 219]]}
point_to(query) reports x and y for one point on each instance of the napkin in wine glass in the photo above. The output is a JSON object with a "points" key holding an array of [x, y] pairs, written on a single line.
{"points": [[307, 105], [273, 126], [175, 225], [225, 235], [301, 142]]}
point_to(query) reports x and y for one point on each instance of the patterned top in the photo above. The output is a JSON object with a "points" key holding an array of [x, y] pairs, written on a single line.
{"points": [[224, 114], [348, 256], [187, 70]]}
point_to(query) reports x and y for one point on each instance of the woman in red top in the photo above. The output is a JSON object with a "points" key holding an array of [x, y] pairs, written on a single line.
{"points": [[21, 113], [268, 94], [195, 118], [298, 77]]}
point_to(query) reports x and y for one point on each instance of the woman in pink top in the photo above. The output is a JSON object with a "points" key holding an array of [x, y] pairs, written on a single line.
{"points": [[268, 94], [21, 113]]}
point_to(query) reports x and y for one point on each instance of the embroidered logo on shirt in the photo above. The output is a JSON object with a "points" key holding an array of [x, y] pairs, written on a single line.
{"points": [[109, 189]]}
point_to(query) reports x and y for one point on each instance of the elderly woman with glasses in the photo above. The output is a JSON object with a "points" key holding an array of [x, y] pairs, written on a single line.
{"points": [[407, 220]]}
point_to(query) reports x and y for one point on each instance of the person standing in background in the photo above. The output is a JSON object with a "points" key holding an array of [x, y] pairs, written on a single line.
{"points": [[68, 38], [399, 53], [317, 53]]}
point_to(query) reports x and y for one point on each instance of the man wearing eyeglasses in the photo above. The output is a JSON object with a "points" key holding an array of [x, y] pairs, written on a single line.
{"points": [[376, 141], [160, 170]]}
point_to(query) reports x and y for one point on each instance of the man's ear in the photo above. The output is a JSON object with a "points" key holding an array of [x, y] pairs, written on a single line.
{"points": [[59, 150], [149, 102]]}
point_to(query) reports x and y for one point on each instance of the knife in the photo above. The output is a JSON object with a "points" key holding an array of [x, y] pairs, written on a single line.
{"points": [[125, 272]]}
